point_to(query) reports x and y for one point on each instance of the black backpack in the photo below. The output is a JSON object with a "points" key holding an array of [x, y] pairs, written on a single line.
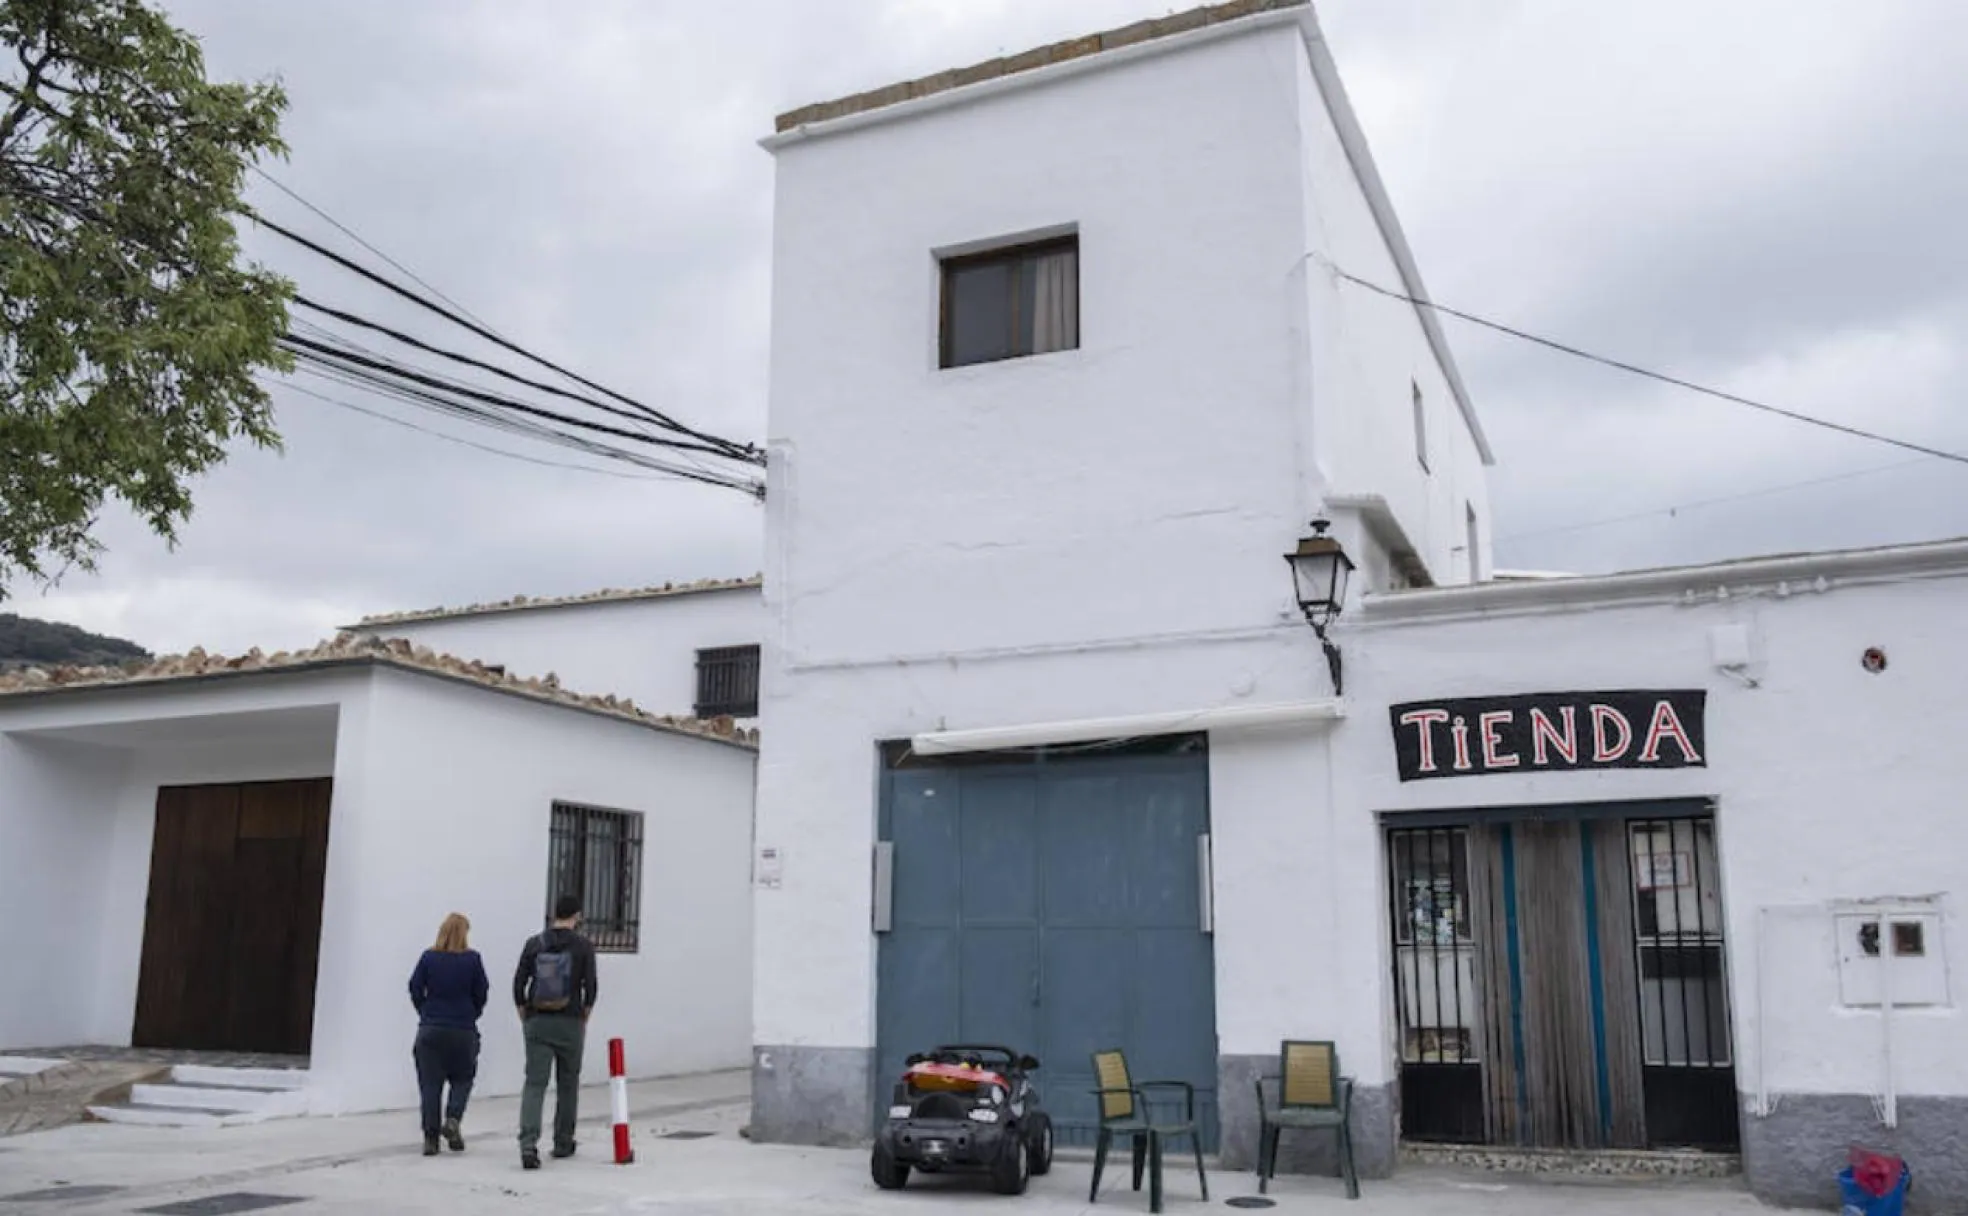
{"points": [[553, 977]]}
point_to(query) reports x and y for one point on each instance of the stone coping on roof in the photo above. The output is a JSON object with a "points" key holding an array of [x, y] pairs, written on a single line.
{"points": [[522, 603], [1038, 57], [345, 650]]}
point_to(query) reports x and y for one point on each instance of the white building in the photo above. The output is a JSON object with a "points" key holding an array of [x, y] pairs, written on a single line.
{"points": [[1087, 531], [688, 648], [248, 855], [1736, 919], [1062, 364]]}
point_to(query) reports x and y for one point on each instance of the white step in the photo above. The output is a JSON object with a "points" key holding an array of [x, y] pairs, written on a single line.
{"points": [[200, 1095], [25, 1066], [245, 1078], [218, 1100], [164, 1116]]}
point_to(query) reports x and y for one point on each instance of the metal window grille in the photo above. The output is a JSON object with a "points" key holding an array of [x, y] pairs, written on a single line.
{"points": [[1433, 947], [1684, 993], [728, 682], [597, 855]]}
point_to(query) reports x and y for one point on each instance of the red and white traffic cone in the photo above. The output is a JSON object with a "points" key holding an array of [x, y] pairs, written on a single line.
{"points": [[618, 1093]]}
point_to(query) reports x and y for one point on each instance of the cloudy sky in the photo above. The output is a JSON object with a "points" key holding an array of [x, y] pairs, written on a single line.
{"points": [[1765, 195]]}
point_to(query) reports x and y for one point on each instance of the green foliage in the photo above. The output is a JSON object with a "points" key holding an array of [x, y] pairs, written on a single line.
{"points": [[24, 640], [130, 328]]}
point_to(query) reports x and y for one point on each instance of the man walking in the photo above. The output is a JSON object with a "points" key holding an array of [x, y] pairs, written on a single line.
{"points": [[554, 989]]}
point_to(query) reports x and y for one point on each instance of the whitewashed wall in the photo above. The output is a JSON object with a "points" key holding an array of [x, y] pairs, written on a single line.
{"points": [[645, 649], [451, 791], [1832, 783], [1368, 354], [78, 806], [57, 815], [442, 801], [1090, 532]]}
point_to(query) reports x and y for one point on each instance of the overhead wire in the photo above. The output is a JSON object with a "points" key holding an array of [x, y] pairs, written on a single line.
{"points": [[357, 237], [349, 318], [1635, 369], [461, 440], [1676, 508], [746, 452], [531, 430], [437, 402], [309, 349]]}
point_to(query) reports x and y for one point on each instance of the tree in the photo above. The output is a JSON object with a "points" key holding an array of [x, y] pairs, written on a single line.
{"points": [[130, 327]]}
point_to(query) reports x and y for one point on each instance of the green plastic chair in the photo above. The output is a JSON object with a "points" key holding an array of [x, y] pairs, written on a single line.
{"points": [[1124, 1111], [1312, 1096]]}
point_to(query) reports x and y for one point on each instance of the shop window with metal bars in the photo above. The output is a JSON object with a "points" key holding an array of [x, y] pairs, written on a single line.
{"points": [[1560, 980], [1436, 982], [728, 682], [596, 854]]}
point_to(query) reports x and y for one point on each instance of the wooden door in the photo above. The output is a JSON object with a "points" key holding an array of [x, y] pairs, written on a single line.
{"points": [[232, 928]]}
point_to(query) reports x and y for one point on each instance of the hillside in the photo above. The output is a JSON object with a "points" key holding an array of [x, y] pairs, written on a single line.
{"points": [[25, 641]]}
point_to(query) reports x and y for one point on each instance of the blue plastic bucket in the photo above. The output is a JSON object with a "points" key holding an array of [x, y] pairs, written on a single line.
{"points": [[1858, 1202]]}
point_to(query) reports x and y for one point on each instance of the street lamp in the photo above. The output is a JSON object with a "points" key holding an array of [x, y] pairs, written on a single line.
{"points": [[1319, 569]]}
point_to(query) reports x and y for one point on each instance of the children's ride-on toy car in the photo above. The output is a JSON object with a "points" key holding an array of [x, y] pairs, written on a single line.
{"points": [[965, 1107]]}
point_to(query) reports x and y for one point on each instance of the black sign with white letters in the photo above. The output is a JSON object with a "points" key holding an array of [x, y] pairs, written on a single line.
{"points": [[1550, 732]]}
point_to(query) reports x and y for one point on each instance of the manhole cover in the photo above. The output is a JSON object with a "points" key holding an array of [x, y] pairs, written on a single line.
{"points": [[686, 1135], [223, 1205], [1251, 1201], [61, 1192]]}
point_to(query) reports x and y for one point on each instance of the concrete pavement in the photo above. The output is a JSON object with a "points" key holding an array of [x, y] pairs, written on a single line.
{"points": [[373, 1164]]}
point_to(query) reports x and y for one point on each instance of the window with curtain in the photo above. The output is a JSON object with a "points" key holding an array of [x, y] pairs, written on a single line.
{"points": [[1011, 302]]}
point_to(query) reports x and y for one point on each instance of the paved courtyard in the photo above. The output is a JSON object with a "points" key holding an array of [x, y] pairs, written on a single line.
{"points": [[372, 1164]]}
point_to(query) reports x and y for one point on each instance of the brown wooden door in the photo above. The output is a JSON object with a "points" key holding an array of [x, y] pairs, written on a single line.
{"points": [[232, 928]]}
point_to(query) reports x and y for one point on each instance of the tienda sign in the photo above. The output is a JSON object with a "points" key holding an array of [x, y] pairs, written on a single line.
{"points": [[1550, 731]]}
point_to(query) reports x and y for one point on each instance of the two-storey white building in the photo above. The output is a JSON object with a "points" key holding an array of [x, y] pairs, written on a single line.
{"points": [[1059, 371], [1068, 349]]}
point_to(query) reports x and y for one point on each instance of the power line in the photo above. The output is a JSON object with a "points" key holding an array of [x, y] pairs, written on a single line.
{"points": [[1690, 385], [409, 340], [1709, 502], [459, 439], [367, 382], [745, 452], [381, 376], [310, 350], [355, 236]]}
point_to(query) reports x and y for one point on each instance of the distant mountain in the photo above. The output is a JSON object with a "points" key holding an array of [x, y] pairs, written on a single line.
{"points": [[25, 642]]}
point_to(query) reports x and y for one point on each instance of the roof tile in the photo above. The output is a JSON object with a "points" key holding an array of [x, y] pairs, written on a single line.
{"points": [[1037, 57], [352, 648], [519, 602]]}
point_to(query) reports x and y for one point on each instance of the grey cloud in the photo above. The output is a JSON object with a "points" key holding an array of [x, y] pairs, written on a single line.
{"points": [[1740, 194]]}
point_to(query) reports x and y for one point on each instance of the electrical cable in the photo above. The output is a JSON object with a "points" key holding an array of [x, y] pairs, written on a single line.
{"points": [[309, 349], [459, 439], [1664, 378], [363, 381], [409, 340], [746, 452], [355, 236], [1708, 502]]}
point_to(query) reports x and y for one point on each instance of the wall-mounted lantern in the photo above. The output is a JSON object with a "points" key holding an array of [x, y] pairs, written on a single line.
{"points": [[1320, 568]]}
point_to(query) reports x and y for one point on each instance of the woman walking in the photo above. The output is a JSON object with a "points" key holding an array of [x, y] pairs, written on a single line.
{"points": [[449, 989]]}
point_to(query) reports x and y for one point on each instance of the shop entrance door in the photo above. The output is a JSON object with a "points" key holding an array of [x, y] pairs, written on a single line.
{"points": [[1560, 979]]}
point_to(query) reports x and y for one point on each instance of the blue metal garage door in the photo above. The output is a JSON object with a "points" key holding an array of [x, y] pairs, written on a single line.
{"points": [[1053, 904]]}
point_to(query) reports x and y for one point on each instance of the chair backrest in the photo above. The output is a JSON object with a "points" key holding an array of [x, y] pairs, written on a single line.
{"points": [[1308, 1074], [1110, 1072]]}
